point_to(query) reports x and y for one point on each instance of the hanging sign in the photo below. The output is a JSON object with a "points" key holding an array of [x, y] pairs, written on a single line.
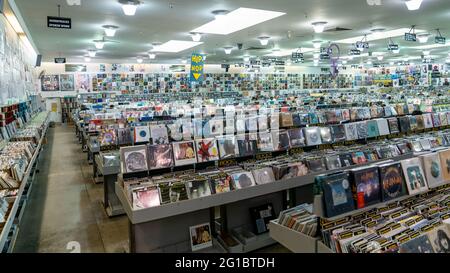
{"points": [[266, 64], [439, 40], [197, 66], [362, 45], [255, 62], [59, 22], [392, 47], [410, 37], [60, 60], [355, 52], [324, 56], [297, 57], [279, 62]]}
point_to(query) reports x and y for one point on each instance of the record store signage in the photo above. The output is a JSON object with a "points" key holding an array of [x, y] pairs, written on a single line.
{"points": [[297, 57], [197, 67], [439, 40], [60, 60], [362, 45], [325, 56], [59, 22], [392, 47], [410, 37], [355, 52]]}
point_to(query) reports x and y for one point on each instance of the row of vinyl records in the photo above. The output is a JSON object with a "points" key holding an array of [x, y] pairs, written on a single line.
{"points": [[182, 185], [212, 144], [4, 210]]}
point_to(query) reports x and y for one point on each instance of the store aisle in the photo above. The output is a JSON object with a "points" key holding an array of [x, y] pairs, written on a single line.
{"points": [[65, 207]]}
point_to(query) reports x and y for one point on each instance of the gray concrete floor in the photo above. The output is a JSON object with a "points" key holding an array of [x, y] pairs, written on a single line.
{"points": [[66, 206]]}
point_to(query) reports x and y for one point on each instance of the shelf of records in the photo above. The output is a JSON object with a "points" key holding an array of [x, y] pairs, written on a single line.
{"points": [[17, 159], [415, 224], [151, 172]]}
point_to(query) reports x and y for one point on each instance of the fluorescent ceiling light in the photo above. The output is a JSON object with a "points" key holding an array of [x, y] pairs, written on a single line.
{"points": [[344, 61], [264, 40], [317, 44], [369, 62], [110, 30], [319, 27], [228, 50], [423, 37], [377, 36], [14, 23], [87, 59], [350, 57], [139, 60], [196, 37], [236, 20], [288, 52], [129, 7], [184, 61], [246, 59], [316, 55], [413, 4], [174, 46], [391, 63], [92, 53], [426, 52], [99, 44], [380, 57], [152, 56]]}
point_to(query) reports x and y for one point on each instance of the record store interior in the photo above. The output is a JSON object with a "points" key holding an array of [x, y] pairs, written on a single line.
{"points": [[224, 126]]}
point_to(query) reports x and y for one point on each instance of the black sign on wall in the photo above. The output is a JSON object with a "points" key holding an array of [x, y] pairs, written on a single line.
{"points": [[60, 60], [59, 22]]}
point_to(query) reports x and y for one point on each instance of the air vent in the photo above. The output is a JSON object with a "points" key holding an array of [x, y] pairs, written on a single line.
{"points": [[336, 29]]}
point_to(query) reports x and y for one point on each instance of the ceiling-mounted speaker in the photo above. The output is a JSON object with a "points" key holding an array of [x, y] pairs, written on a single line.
{"points": [[38, 60]]}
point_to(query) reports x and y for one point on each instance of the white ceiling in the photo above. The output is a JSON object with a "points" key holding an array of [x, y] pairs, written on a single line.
{"points": [[164, 20]]}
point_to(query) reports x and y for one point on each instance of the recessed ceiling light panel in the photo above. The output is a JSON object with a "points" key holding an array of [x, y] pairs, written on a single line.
{"points": [[174, 46]]}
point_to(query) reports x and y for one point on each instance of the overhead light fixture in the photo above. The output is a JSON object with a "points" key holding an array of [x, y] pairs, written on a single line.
{"points": [[99, 44], [12, 19], [319, 27], [264, 40], [369, 62], [316, 55], [184, 61], [391, 63], [129, 7], [426, 53], [110, 30], [151, 56], [380, 57], [350, 57], [174, 46], [228, 50], [377, 36], [87, 59], [246, 59], [220, 14], [92, 53], [423, 37], [317, 44], [139, 60], [396, 51], [413, 4], [344, 61], [196, 37], [236, 20]]}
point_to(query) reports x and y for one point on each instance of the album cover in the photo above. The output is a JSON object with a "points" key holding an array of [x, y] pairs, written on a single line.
{"points": [[359, 158], [207, 150], [316, 164], [242, 180], [436, 120], [184, 153], [286, 120], [346, 159], [372, 128], [413, 123], [333, 162], [263, 175], [198, 188], [325, 134], [265, 142], [405, 124], [175, 131], [67, 82], [82, 83], [445, 164], [351, 131], [425, 143], [404, 148], [220, 183], [263, 123], [290, 170], [419, 244], [134, 158], [160, 156], [108, 137], [145, 197], [124, 136], [432, 167], [281, 140], [240, 125], [313, 118], [393, 125], [391, 181], [371, 155], [227, 147], [296, 137], [159, 134], [420, 122], [443, 118], [414, 176], [440, 239], [50, 83], [141, 134], [215, 127], [261, 217], [383, 127], [247, 147], [177, 192], [361, 128], [312, 136], [428, 120], [297, 120], [366, 186], [201, 236], [416, 146], [338, 133], [330, 116], [251, 124], [337, 193]]}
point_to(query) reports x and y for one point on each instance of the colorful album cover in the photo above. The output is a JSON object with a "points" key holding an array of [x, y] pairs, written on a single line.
{"points": [[160, 156], [50, 83], [145, 197], [220, 183], [82, 83], [432, 168], [108, 137], [134, 158], [443, 118], [159, 134], [198, 188], [372, 128], [201, 236], [436, 120], [428, 120], [207, 150], [184, 153], [325, 134], [261, 217], [67, 82], [361, 128], [337, 193], [242, 180], [366, 186], [141, 134], [445, 164], [391, 181], [359, 158], [296, 137], [413, 123], [346, 159], [414, 176]]}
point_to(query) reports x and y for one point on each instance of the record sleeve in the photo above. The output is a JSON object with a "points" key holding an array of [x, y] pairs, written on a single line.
{"points": [[316, 164], [436, 120], [414, 176], [443, 118], [361, 128], [338, 133], [420, 122], [134, 159], [207, 150], [159, 134], [296, 137], [445, 164], [177, 192], [216, 127], [281, 140], [428, 120], [286, 120], [160, 156], [312, 136], [296, 120], [325, 134], [227, 147], [175, 131], [392, 181], [432, 168], [346, 159], [366, 186], [263, 123], [201, 236], [419, 244], [413, 123], [261, 217], [405, 125], [145, 197], [393, 125], [333, 162], [265, 142], [359, 158], [251, 124], [220, 183], [198, 188], [440, 239], [184, 153], [263, 175], [230, 127], [337, 193], [247, 147], [141, 134], [290, 170], [372, 128], [383, 127], [108, 137], [242, 180], [351, 132]]}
